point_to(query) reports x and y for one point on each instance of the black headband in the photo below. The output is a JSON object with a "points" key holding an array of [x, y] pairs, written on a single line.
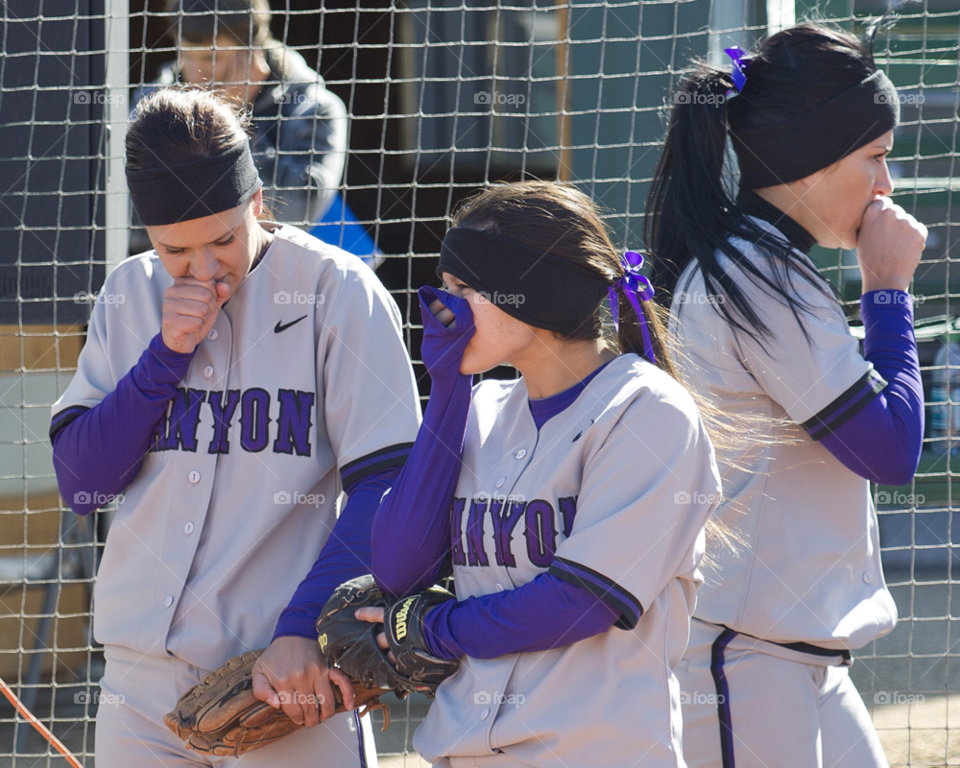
{"points": [[785, 152], [540, 289], [194, 189]]}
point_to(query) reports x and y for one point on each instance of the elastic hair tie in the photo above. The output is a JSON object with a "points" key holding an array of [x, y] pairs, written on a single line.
{"points": [[738, 70], [636, 288]]}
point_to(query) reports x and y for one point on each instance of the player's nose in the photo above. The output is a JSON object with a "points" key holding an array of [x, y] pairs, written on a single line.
{"points": [[883, 185], [204, 266]]}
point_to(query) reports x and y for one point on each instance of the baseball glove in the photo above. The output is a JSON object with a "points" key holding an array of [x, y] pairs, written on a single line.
{"points": [[351, 644], [222, 717]]}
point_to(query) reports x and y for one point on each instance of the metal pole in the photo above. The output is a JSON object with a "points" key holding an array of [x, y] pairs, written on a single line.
{"points": [[118, 109]]}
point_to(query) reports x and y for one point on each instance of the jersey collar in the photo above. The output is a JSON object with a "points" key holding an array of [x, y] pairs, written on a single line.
{"points": [[753, 205]]}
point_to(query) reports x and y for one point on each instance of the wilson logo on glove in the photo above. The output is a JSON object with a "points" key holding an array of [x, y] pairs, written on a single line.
{"points": [[351, 644], [400, 619]]}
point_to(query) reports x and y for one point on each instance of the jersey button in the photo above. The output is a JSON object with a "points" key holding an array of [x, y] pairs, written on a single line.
{"points": [[194, 476], [499, 587], [213, 334], [866, 578], [485, 714], [521, 453], [208, 371], [501, 481], [188, 528], [169, 601]]}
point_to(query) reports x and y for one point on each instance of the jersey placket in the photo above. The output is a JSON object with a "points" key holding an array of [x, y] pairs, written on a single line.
{"points": [[210, 366]]}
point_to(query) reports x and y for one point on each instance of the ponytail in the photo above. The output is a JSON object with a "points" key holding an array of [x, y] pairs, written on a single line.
{"points": [[691, 211]]}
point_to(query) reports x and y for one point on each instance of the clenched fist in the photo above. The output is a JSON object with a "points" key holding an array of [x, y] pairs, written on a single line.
{"points": [[190, 309]]}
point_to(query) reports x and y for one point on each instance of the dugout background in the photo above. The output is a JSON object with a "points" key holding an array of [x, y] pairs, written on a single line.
{"points": [[593, 76]]}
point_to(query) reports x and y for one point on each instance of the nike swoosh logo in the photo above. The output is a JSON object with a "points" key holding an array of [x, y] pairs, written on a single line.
{"points": [[280, 327]]}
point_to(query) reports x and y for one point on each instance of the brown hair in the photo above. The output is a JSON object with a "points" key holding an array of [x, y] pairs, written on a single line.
{"points": [[246, 22], [179, 124], [562, 219], [560, 216]]}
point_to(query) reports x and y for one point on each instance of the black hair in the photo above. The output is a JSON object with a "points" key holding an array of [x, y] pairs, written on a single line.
{"points": [[199, 21], [691, 211]]}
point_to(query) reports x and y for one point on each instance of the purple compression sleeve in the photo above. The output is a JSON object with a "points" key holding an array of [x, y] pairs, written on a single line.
{"points": [[98, 451], [882, 442], [345, 555], [545, 613], [411, 531]]}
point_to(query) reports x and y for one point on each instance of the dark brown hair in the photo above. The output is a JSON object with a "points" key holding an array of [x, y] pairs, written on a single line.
{"points": [[246, 22], [563, 220], [179, 124]]}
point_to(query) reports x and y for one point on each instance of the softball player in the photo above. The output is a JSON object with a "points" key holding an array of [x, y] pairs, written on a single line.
{"points": [[572, 519], [765, 677], [249, 375]]}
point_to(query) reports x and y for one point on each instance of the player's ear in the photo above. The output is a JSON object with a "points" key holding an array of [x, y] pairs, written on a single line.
{"points": [[257, 201]]}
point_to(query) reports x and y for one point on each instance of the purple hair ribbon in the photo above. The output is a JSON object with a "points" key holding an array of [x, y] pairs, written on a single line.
{"points": [[636, 288], [740, 62]]}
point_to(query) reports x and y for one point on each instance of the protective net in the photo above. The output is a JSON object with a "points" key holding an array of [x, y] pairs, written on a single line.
{"points": [[439, 98]]}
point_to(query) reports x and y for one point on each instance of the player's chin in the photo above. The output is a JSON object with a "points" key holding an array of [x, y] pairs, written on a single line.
{"points": [[475, 363]]}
